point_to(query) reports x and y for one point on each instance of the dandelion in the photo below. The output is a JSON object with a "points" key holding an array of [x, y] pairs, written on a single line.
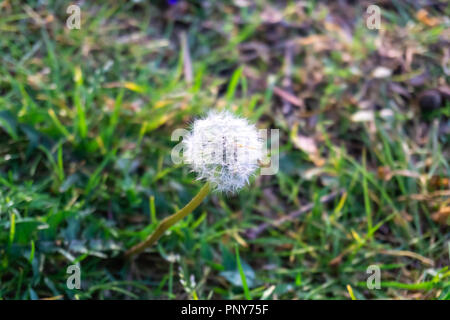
{"points": [[223, 150]]}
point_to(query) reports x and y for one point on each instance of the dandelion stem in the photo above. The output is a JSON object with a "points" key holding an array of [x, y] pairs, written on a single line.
{"points": [[170, 221]]}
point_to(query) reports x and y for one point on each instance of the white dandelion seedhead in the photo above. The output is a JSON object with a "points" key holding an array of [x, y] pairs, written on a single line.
{"points": [[224, 150]]}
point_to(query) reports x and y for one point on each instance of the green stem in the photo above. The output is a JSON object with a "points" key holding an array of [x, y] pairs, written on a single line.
{"points": [[170, 221]]}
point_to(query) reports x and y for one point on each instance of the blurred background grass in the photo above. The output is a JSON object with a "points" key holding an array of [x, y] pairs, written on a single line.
{"points": [[85, 169]]}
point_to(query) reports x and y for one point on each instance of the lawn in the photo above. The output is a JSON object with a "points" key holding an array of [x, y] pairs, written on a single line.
{"points": [[86, 119]]}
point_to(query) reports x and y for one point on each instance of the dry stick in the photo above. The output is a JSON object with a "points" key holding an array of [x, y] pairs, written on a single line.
{"points": [[170, 221], [187, 64], [255, 232]]}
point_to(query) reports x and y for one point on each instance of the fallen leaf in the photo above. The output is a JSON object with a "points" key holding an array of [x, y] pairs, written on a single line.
{"points": [[423, 16], [306, 144], [363, 116], [381, 72], [442, 216]]}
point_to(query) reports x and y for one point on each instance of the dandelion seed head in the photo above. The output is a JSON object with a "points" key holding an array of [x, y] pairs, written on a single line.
{"points": [[223, 149]]}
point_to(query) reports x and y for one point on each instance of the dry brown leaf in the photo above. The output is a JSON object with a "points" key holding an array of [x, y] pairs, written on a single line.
{"points": [[423, 16], [308, 145], [319, 42], [437, 182], [305, 143], [442, 216]]}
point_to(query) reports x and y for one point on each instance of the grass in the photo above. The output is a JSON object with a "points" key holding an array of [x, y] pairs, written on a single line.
{"points": [[86, 118]]}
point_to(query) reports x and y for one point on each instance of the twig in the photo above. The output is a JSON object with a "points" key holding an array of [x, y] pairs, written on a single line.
{"points": [[255, 232], [287, 82], [187, 64]]}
